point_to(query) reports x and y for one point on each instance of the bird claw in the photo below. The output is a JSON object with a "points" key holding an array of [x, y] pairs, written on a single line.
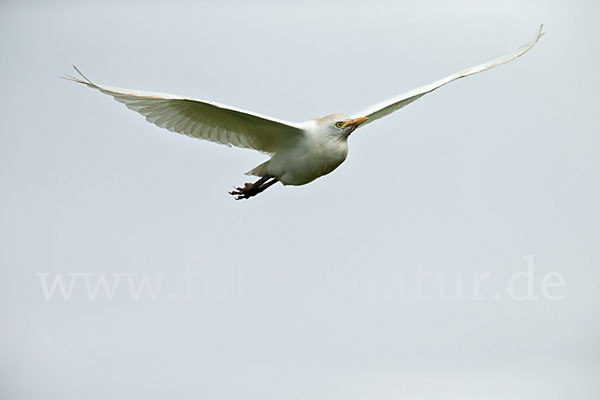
{"points": [[245, 192], [252, 189]]}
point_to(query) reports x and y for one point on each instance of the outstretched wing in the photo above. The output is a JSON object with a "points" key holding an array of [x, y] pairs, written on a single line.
{"points": [[389, 106], [203, 119]]}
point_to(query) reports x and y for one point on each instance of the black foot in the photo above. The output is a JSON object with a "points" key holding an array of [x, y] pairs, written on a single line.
{"points": [[245, 192], [252, 189]]}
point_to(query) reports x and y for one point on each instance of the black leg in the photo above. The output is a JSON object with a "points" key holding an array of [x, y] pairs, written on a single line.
{"points": [[252, 189]]}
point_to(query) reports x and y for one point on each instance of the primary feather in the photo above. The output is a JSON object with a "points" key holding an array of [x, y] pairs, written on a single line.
{"points": [[203, 119], [387, 107]]}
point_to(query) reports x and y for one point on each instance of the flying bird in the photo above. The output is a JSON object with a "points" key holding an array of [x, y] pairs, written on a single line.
{"points": [[300, 152]]}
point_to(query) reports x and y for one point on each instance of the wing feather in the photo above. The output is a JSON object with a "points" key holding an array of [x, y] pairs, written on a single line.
{"points": [[387, 107], [203, 119]]}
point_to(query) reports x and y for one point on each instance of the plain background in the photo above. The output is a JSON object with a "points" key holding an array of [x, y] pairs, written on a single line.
{"points": [[469, 179]]}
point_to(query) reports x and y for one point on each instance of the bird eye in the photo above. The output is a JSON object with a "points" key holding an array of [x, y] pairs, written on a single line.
{"points": [[339, 124]]}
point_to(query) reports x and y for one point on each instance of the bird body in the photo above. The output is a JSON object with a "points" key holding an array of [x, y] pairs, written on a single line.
{"points": [[305, 158], [300, 152]]}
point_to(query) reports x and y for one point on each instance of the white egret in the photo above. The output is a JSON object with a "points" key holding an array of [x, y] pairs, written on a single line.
{"points": [[300, 152]]}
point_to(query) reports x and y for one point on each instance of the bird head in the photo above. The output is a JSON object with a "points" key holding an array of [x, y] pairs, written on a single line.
{"points": [[339, 125]]}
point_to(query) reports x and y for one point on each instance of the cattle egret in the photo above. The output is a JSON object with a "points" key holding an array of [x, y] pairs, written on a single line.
{"points": [[300, 152]]}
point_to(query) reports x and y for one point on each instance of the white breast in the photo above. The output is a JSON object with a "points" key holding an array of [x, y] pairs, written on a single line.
{"points": [[314, 155]]}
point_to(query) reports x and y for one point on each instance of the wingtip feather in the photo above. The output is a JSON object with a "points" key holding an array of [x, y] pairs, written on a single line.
{"points": [[540, 33], [82, 75], [68, 77]]}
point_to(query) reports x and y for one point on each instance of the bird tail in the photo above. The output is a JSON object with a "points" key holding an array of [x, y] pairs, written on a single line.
{"points": [[259, 171]]}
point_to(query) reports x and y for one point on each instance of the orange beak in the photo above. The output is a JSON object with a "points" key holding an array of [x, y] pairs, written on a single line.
{"points": [[355, 122]]}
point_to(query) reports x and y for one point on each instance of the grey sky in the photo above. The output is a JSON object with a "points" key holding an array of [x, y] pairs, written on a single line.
{"points": [[305, 292]]}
